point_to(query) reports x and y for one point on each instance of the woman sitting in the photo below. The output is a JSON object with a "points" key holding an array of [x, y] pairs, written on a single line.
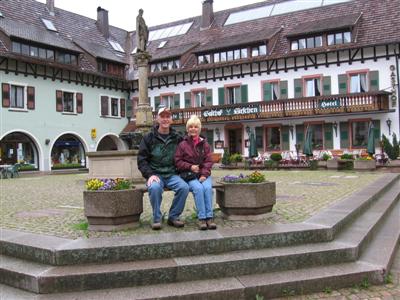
{"points": [[194, 154]]}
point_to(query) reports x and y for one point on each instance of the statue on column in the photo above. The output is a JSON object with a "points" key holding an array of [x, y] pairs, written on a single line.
{"points": [[142, 33]]}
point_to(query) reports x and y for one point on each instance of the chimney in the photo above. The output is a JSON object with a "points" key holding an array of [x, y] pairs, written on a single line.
{"points": [[102, 21], [208, 14], [50, 6]]}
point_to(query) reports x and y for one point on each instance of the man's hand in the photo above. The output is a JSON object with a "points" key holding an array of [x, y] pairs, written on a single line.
{"points": [[152, 179], [202, 178], [195, 168]]}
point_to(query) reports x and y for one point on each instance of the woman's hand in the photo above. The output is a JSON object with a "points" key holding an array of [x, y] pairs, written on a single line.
{"points": [[195, 168], [152, 179], [202, 178]]}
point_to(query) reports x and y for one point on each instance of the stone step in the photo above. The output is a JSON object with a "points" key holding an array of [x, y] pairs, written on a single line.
{"points": [[41, 278], [320, 228]]}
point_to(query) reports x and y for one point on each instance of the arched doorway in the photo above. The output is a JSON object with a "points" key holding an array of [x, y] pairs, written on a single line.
{"points": [[68, 152], [17, 147], [111, 143]]}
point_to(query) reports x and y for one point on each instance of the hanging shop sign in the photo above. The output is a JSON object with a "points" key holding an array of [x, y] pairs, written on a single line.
{"points": [[329, 103], [393, 97]]}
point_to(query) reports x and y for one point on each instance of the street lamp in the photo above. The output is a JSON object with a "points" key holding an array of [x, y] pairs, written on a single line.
{"points": [[389, 124]]}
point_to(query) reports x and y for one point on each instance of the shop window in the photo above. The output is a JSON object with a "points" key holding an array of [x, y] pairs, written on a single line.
{"points": [[67, 152], [18, 148], [358, 83], [359, 134], [273, 138]]}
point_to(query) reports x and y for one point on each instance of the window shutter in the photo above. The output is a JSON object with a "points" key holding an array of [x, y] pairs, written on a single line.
{"points": [[104, 105], [285, 138], [209, 99], [267, 91], [344, 135], [59, 103], [31, 97], [5, 94], [129, 108], [283, 85], [79, 103], [328, 137], [244, 93], [377, 132], [374, 81], [177, 101], [259, 138], [298, 88], [300, 135], [221, 96], [188, 99], [123, 107], [342, 79], [157, 101], [326, 82]]}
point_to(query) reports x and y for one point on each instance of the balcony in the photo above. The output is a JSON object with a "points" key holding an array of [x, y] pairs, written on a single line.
{"points": [[300, 107]]}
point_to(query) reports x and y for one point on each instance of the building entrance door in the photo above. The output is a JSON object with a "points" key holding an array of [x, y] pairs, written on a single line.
{"points": [[235, 140]]}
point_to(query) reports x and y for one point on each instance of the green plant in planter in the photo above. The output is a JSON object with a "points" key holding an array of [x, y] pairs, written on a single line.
{"points": [[326, 157], [276, 157], [346, 156], [107, 184], [235, 158], [225, 158]]}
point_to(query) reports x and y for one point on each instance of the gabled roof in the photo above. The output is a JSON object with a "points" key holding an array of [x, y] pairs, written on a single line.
{"points": [[319, 26], [36, 34]]}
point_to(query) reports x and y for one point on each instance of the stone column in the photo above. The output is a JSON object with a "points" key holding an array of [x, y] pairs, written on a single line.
{"points": [[144, 114]]}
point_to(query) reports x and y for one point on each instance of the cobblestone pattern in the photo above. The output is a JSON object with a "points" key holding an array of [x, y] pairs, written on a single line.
{"points": [[53, 205]]}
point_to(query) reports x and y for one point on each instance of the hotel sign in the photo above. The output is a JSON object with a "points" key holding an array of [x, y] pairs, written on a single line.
{"points": [[329, 103]]}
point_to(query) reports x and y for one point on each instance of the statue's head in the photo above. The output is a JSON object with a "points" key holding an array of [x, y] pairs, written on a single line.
{"points": [[140, 11]]}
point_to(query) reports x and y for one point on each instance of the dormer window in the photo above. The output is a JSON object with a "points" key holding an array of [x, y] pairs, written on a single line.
{"points": [[165, 65], [49, 25], [259, 50], [162, 44], [116, 46], [306, 43], [339, 38]]}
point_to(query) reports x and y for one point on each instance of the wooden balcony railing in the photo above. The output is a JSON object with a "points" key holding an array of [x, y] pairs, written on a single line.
{"points": [[310, 106]]}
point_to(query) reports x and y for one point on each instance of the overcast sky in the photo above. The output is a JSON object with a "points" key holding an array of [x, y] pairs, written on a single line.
{"points": [[122, 13]]}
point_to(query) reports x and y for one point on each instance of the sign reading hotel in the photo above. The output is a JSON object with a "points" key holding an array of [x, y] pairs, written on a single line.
{"points": [[329, 103]]}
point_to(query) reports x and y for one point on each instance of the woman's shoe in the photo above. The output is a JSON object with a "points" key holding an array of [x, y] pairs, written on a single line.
{"points": [[210, 224], [202, 225]]}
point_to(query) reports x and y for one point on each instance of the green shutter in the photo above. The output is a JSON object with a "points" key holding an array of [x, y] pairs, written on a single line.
{"points": [[210, 139], [209, 100], [244, 93], [157, 101], [221, 96], [326, 85], [129, 108], [300, 135], [267, 91], [177, 100], [298, 88], [373, 81], [342, 79], [344, 135], [328, 136], [285, 137], [283, 85], [188, 99], [377, 132], [259, 138]]}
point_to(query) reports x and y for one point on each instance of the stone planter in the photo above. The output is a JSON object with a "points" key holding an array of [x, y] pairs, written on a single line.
{"points": [[364, 165], [113, 210], [339, 164], [246, 201]]}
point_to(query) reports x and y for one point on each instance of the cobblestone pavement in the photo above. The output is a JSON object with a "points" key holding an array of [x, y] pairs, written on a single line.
{"points": [[53, 205]]}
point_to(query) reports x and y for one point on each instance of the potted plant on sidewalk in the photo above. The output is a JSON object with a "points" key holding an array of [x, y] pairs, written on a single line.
{"points": [[246, 197], [112, 204]]}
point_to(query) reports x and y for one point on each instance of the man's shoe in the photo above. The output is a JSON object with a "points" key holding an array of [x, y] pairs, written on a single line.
{"points": [[202, 225], [210, 224], [156, 226], [176, 223]]}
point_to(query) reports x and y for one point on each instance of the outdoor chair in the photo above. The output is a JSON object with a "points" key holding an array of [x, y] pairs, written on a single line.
{"points": [[12, 171]]}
